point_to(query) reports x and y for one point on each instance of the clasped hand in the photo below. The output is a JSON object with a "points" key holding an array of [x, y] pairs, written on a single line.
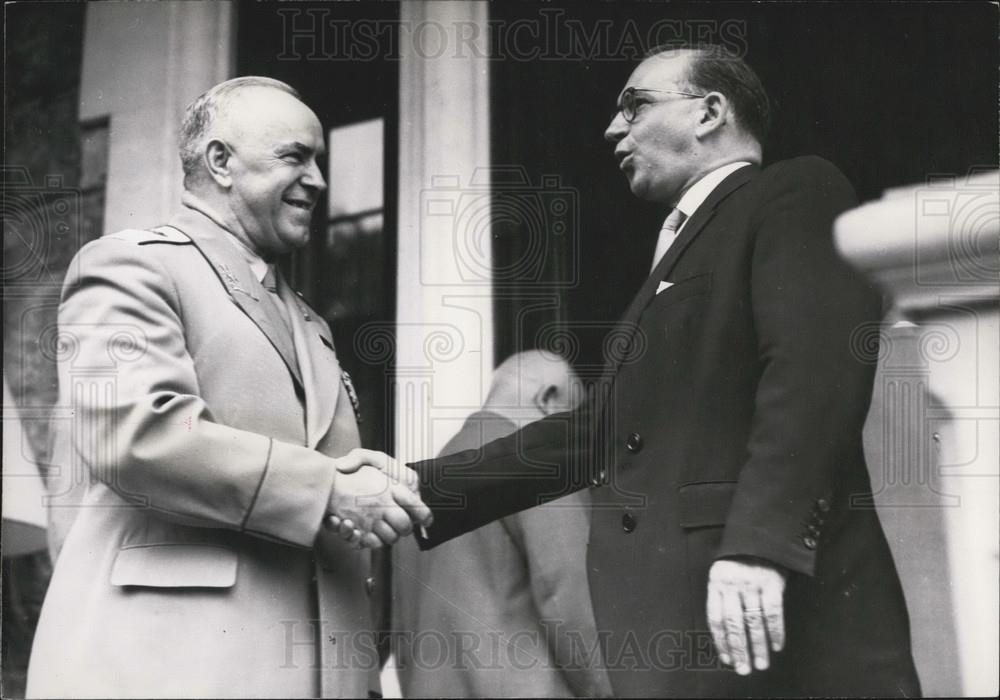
{"points": [[375, 500]]}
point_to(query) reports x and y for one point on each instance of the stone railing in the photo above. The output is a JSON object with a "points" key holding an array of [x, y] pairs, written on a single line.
{"points": [[933, 434]]}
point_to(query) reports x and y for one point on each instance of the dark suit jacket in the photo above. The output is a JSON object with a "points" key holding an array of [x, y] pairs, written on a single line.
{"points": [[730, 425]]}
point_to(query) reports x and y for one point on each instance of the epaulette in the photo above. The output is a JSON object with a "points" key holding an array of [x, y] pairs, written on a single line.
{"points": [[162, 234]]}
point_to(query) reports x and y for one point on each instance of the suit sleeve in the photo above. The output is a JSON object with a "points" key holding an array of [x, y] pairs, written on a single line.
{"points": [[813, 393], [553, 541], [149, 436], [540, 462]]}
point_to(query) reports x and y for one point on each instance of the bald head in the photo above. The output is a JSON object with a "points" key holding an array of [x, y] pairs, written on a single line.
{"points": [[253, 154], [532, 385]]}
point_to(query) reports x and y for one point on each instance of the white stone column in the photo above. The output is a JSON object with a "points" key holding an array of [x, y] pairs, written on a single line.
{"points": [[142, 64], [444, 344], [935, 248]]}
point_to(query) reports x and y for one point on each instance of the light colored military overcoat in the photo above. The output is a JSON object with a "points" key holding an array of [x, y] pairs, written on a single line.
{"points": [[197, 565]]}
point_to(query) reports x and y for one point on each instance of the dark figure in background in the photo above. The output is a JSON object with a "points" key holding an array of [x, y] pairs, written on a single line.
{"points": [[725, 455]]}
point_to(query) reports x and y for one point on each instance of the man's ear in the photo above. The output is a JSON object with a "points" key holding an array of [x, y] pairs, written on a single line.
{"points": [[547, 400], [217, 156], [714, 114]]}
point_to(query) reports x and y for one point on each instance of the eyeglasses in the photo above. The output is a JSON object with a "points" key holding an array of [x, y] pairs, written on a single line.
{"points": [[628, 104]]}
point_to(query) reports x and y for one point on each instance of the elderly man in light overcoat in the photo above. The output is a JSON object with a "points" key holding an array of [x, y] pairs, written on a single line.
{"points": [[215, 430]]}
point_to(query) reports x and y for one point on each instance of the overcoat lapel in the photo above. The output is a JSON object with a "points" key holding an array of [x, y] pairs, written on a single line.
{"points": [[318, 362], [237, 277]]}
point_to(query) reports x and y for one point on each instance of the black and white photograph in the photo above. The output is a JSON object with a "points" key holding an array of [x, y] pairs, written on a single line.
{"points": [[500, 348]]}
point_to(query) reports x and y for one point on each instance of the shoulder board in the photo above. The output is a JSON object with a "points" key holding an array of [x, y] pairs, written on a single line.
{"points": [[164, 235]]}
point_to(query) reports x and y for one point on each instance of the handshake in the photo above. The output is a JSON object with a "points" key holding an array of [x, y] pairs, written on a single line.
{"points": [[375, 500]]}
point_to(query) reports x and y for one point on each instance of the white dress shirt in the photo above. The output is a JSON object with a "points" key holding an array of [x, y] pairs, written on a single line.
{"points": [[691, 200]]}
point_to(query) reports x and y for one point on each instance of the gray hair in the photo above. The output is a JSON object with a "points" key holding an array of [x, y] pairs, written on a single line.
{"points": [[201, 114]]}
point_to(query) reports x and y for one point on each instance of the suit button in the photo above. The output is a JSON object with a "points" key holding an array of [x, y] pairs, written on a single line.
{"points": [[823, 505], [369, 585], [809, 542], [628, 522], [634, 442]]}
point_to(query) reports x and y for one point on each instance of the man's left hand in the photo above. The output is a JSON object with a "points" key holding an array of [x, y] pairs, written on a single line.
{"points": [[746, 611]]}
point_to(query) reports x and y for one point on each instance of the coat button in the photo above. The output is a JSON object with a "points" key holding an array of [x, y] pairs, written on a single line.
{"points": [[823, 505], [369, 585], [634, 442], [809, 542], [628, 522]]}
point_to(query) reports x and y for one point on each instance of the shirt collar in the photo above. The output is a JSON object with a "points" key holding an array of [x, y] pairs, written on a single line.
{"points": [[699, 191], [257, 264]]}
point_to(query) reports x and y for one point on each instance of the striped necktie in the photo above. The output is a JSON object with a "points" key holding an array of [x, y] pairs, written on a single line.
{"points": [[667, 235]]}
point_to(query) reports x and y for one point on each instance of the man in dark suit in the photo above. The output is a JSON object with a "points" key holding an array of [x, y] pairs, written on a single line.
{"points": [[732, 524]]}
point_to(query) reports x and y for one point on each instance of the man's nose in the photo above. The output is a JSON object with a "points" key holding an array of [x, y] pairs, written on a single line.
{"points": [[314, 177], [616, 129]]}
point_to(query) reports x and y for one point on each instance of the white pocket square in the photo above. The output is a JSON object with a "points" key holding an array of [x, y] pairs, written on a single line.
{"points": [[663, 285]]}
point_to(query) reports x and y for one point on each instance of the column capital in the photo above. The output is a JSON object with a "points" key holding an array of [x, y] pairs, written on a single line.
{"points": [[929, 245]]}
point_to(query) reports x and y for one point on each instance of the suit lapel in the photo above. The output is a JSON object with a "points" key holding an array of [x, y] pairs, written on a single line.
{"points": [[318, 362], [630, 320], [695, 225], [237, 277]]}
